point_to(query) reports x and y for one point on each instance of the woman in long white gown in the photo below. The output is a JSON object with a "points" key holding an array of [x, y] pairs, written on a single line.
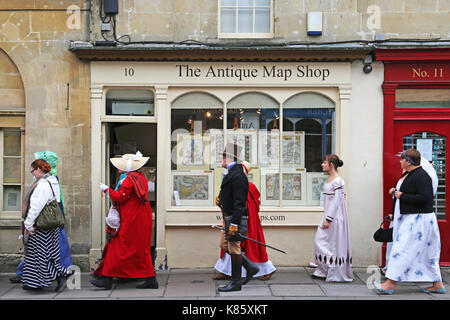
{"points": [[332, 245], [416, 247]]}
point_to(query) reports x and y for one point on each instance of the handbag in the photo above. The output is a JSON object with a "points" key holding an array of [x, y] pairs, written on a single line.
{"points": [[113, 218], [51, 215], [383, 235]]}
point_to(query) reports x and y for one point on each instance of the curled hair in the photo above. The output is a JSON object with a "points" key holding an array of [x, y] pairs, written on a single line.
{"points": [[41, 164], [334, 159]]}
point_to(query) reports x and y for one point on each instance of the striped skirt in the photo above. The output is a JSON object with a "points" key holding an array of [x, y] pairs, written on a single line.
{"points": [[42, 263]]}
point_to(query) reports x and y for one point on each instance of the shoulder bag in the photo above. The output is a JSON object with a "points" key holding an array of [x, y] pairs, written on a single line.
{"points": [[51, 215]]}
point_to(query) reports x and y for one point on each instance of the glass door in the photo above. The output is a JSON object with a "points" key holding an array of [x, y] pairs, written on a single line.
{"points": [[430, 138]]}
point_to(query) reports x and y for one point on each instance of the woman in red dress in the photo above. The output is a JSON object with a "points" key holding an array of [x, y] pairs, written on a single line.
{"points": [[127, 254]]}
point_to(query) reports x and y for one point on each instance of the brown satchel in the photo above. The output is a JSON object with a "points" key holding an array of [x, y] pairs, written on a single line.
{"points": [[51, 215]]}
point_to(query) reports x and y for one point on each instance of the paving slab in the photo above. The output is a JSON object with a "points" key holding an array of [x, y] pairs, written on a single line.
{"points": [[299, 290], [190, 289], [340, 290], [281, 277], [249, 290]]}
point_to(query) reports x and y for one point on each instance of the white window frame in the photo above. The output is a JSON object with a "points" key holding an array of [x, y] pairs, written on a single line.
{"points": [[11, 214], [254, 35]]}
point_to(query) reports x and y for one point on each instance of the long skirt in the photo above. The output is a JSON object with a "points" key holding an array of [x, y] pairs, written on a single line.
{"points": [[42, 263], [415, 250]]}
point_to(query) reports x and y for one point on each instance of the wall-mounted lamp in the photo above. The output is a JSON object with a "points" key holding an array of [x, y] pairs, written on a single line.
{"points": [[368, 63]]}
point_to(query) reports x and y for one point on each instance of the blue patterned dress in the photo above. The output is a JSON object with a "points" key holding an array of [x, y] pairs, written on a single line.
{"points": [[416, 247]]}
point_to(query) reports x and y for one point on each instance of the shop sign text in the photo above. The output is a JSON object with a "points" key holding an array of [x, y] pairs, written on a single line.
{"points": [[244, 73]]}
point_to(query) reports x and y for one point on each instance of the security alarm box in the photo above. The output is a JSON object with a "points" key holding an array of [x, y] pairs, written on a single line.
{"points": [[314, 24]]}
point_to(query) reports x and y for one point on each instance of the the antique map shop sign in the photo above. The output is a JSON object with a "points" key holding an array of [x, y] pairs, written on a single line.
{"points": [[243, 73], [221, 73]]}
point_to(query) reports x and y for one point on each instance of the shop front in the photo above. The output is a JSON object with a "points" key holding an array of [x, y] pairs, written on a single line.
{"points": [[286, 111], [417, 115]]}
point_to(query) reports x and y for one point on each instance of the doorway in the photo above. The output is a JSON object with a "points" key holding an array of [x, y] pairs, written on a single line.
{"points": [[431, 138], [128, 138]]}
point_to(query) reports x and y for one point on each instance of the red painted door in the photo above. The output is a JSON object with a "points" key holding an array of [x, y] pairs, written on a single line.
{"points": [[431, 138]]}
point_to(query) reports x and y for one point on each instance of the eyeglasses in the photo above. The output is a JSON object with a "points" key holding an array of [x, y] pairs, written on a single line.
{"points": [[32, 171]]}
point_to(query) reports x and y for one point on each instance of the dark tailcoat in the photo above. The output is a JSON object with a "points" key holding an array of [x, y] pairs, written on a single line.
{"points": [[233, 194]]}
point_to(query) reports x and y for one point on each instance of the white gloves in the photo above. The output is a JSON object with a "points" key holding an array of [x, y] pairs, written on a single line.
{"points": [[103, 187]]}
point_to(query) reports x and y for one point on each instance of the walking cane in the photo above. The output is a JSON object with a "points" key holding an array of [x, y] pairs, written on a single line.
{"points": [[246, 238]]}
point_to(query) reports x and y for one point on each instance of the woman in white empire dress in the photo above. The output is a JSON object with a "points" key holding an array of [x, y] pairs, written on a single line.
{"points": [[332, 245]]}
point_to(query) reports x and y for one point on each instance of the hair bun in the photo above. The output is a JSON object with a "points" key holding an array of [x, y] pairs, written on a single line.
{"points": [[340, 163]]}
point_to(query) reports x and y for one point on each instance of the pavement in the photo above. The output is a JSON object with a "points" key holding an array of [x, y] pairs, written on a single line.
{"points": [[288, 283]]}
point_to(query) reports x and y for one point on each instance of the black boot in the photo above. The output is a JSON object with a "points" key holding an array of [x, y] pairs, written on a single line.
{"points": [[250, 267], [236, 273], [105, 283], [150, 283]]}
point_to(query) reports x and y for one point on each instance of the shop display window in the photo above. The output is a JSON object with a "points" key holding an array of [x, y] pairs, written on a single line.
{"points": [[130, 102], [286, 170]]}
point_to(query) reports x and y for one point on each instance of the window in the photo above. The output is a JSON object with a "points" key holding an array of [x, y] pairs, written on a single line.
{"points": [[11, 171], [422, 98], [130, 103], [286, 169], [245, 18]]}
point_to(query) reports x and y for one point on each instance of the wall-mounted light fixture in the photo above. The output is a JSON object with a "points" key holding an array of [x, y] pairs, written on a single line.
{"points": [[368, 63]]}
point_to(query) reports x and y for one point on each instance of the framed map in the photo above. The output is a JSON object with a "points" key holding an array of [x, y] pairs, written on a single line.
{"points": [[248, 140], [216, 147], [270, 187], [294, 187], [315, 182], [193, 152], [293, 148], [191, 188]]}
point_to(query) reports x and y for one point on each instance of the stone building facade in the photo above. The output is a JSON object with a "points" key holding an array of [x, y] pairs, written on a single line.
{"points": [[57, 67]]}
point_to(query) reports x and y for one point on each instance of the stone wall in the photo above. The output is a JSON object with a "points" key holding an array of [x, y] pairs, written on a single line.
{"points": [[343, 20], [35, 35]]}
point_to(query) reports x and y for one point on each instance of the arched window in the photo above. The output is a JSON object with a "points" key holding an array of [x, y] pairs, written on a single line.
{"points": [[196, 126], [11, 137]]}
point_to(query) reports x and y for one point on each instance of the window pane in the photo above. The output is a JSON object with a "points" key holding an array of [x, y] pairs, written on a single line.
{"points": [[12, 143], [245, 20], [228, 20], [130, 103], [439, 162], [11, 170], [308, 135], [253, 123], [262, 20], [197, 146], [228, 2], [11, 198], [262, 3], [245, 3]]}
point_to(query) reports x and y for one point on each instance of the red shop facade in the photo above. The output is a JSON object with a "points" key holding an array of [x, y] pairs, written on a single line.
{"points": [[416, 93]]}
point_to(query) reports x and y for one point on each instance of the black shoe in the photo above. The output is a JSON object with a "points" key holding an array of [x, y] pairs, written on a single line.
{"points": [[250, 267], [105, 283], [16, 279], [236, 273], [150, 283]]}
